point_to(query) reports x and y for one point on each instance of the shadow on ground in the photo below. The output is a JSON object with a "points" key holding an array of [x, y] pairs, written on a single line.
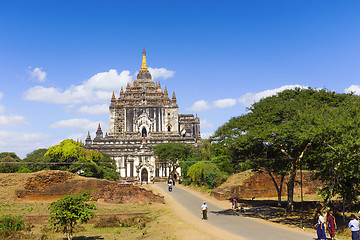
{"points": [[86, 238]]}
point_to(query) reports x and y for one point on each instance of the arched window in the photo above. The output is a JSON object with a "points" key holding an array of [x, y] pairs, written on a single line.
{"points": [[144, 132], [169, 128]]}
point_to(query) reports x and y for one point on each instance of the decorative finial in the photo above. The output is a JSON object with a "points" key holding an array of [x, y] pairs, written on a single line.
{"points": [[174, 97], [127, 85], [143, 64], [113, 96], [121, 91], [165, 91]]}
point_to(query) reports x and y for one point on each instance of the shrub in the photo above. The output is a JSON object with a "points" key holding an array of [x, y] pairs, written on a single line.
{"points": [[70, 210], [11, 223], [107, 222], [206, 174]]}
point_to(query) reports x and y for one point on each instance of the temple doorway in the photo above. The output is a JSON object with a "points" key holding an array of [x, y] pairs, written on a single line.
{"points": [[144, 132], [144, 175]]}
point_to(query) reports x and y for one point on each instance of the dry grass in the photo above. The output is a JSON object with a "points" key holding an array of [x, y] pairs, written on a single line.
{"points": [[160, 222]]}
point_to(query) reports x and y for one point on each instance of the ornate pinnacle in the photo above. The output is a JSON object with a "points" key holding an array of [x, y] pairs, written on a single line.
{"points": [[121, 91], [165, 91], [143, 64], [173, 97], [113, 96]]}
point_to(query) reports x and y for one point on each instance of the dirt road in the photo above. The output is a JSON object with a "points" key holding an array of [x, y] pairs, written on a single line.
{"points": [[223, 220]]}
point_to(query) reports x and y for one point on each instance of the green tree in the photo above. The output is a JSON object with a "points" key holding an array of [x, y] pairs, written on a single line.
{"points": [[172, 154], [71, 156], [9, 162], [70, 210], [287, 123], [36, 160], [336, 153], [205, 174]]}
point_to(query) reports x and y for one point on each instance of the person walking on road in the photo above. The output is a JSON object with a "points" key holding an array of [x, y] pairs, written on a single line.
{"points": [[354, 226], [234, 203], [331, 224], [204, 209], [320, 227]]}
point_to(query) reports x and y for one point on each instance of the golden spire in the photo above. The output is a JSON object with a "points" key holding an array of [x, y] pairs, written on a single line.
{"points": [[165, 91], [143, 64], [174, 95], [121, 91], [113, 96]]}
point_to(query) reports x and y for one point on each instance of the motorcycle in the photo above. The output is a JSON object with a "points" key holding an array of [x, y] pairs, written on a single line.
{"points": [[170, 188]]}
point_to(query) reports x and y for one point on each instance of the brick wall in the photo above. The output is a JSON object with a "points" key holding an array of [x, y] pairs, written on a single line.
{"points": [[260, 185], [53, 185]]}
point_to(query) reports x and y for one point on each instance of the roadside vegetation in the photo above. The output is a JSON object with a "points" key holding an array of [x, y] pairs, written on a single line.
{"points": [[67, 156], [308, 129]]}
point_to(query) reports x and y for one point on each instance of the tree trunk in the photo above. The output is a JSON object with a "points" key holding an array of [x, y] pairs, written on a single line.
{"points": [[277, 187], [343, 209], [280, 189], [290, 188]]}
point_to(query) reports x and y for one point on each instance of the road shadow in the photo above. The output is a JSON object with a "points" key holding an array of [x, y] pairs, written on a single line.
{"points": [[86, 238], [227, 212]]}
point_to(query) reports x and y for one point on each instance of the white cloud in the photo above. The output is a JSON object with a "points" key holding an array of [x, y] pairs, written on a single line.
{"points": [[38, 74], [98, 88], [353, 88], [200, 105], [223, 103], [12, 120], [161, 73], [249, 98], [206, 135], [76, 123], [206, 124], [22, 143], [95, 109], [78, 137]]}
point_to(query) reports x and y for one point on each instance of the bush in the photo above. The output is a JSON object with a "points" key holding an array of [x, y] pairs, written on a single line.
{"points": [[70, 210], [206, 174], [107, 222], [215, 178], [11, 223], [24, 170]]}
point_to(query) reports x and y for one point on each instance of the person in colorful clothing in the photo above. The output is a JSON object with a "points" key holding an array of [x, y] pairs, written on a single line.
{"points": [[331, 224], [320, 227]]}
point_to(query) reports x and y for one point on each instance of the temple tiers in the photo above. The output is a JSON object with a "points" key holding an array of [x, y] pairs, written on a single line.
{"points": [[140, 118]]}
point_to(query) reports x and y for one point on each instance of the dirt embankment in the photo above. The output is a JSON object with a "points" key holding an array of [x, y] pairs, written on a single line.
{"points": [[52, 185], [248, 185]]}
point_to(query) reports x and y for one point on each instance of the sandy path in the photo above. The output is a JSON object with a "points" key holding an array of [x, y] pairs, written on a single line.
{"points": [[212, 232], [185, 202]]}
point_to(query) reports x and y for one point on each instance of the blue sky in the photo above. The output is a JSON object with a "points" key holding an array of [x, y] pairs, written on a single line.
{"points": [[60, 61]]}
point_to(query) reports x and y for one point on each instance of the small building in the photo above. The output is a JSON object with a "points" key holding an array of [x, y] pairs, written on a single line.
{"points": [[141, 117]]}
